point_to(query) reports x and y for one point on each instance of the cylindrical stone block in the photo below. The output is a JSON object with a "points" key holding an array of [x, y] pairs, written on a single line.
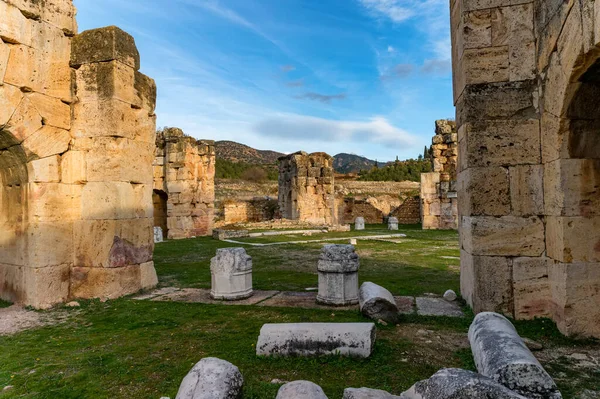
{"points": [[359, 223], [231, 272], [377, 303], [501, 355], [392, 223], [338, 275]]}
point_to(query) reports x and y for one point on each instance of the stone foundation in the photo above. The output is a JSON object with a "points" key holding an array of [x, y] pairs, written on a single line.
{"points": [[77, 130], [184, 184], [254, 210]]}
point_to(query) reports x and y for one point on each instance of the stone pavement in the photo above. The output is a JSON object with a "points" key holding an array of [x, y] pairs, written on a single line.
{"points": [[423, 306], [384, 237]]}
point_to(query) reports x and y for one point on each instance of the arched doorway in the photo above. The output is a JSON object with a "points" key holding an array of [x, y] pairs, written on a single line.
{"points": [[13, 217]]}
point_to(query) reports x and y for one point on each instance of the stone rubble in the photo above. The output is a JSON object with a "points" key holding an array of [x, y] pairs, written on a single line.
{"points": [[311, 339], [377, 303], [338, 275], [212, 378]]}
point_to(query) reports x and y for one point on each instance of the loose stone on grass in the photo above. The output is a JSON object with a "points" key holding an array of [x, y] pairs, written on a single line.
{"points": [[212, 378], [231, 271], [313, 339], [377, 303], [301, 390], [450, 296], [392, 223], [437, 307], [359, 223], [502, 355], [367, 393], [338, 275]]}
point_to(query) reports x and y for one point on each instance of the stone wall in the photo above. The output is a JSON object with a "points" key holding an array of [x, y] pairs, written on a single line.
{"points": [[350, 208], [526, 79], [439, 203], [409, 212], [77, 132], [306, 188], [254, 210], [184, 184]]}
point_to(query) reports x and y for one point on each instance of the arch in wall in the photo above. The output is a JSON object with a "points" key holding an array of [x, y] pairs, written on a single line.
{"points": [[13, 216], [160, 200]]}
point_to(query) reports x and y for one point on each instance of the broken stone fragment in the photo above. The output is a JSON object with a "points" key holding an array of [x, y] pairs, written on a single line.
{"points": [[314, 339], [502, 355], [459, 384], [377, 303], [301, 390], [367, 393], [212, 378]]}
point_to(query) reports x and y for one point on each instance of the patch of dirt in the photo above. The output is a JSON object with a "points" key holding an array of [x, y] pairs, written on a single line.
{"points": [[574, 366], [15, 319]]}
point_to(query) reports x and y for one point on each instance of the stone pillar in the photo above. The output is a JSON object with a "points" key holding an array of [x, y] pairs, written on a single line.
{"points": [[338, 275], [392, 223], [359, 223], [184, 184], [439, 203], [306, 188], [113, 146], [231, 272]]}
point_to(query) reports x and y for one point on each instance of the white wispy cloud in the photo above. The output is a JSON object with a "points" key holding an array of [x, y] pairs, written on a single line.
{"points": [[396, 10], [303, 128]]}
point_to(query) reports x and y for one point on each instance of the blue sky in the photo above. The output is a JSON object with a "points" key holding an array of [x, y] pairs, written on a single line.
{"points": [[361, 76]]}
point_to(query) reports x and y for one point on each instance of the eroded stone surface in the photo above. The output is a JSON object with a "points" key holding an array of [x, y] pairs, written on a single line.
{"points": [[231, 271], [310, 339], [338, 275], [367, 393], [438, 307], [359, 223], [301, 390], [377, 303], [212, 378]]}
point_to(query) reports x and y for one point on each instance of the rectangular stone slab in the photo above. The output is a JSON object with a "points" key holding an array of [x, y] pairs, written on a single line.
{"points": [[313, 339]]}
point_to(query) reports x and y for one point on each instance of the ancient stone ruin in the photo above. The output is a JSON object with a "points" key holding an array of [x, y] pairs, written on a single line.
{"points": [[306, 188], [184, 184], [526, 92], [254, 210], [439, 203], [77, 129]]}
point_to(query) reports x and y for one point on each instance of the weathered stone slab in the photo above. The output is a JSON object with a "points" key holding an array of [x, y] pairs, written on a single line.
{"points": [[118, 45], [338, 275], [202, 295], [310, 339], [292, 299], [212, 378], [301, 390], [437, 307], [406, 304], [231, 272], [158, 234], [377, 303], [367, 393], [502, 355], [459, 384], [392, 223]]}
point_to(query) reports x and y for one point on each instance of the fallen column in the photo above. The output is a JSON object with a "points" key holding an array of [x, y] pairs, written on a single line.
{"points": [[502, 355], [310, 339], [377, 303]]}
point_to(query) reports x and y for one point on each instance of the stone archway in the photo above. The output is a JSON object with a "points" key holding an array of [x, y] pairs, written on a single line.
{"points": [[526, 88]]}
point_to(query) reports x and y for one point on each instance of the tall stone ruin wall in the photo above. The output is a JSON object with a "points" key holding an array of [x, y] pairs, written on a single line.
{"points": [[306, 188], [439, 202], [77, 130], [526, 92], [259, 209], [184, 184]]}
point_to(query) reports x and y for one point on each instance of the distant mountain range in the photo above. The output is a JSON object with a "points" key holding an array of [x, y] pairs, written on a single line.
{"points": [[236, 152]]}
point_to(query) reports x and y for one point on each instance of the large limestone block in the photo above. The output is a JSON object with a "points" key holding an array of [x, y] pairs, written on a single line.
{"points": [[571, 188], [46, 286], [503, 236], [231, 271], [10, 98], [459, 384], [573, 239], [4, 54], [486, 282], [45, 170], [377, 303], [53, 202], [47, 141], [484, 191], [531, 287], [338, 275], [500, 354], [73, 167], [25, 121], [106, 80], [14, 26], [52, 110], [527, 190], [575, 294], [212, 378], [107, 283], [102, 45], [501, 143], [148, 277], [310, 339], [112, 243], [300, 390], [49, 244], [58, 13], [116, 200]]}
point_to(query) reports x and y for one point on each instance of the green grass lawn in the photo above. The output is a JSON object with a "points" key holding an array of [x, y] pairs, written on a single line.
{"points": [[424, 261], [141, 349]]}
